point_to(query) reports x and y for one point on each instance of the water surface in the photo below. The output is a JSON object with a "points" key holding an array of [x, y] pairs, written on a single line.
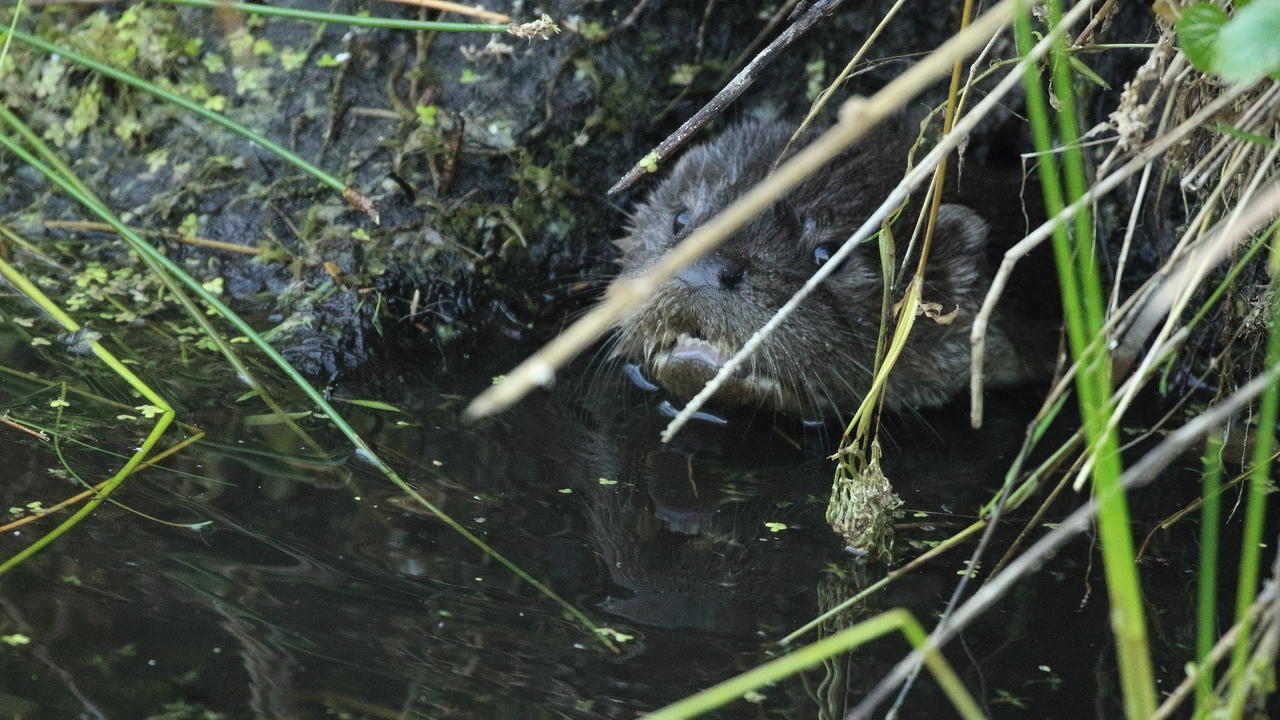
{"points": [[314, 588]]}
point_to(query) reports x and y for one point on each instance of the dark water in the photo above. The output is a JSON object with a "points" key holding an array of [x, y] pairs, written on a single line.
{"points": [[317, 589]]}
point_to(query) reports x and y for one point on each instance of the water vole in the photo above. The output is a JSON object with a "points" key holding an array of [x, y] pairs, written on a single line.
{"points": [[819, 362]]}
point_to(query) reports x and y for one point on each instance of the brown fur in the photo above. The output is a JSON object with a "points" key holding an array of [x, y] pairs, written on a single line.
{"points": [[819, 361]]}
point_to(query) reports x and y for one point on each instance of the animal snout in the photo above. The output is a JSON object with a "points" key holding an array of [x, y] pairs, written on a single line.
{"points": [[713, 271]]}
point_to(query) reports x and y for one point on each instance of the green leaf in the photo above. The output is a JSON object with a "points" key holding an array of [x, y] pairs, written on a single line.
{"points": [[371, 404], [1249, 46], [1242, 135], [1198, 32]]}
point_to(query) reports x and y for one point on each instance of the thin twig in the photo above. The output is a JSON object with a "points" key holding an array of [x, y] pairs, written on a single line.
{"points": [[1246, 122], [1137, 476], [830, 90], [978, 335], [37, 434], [1219, 651], [1177, 290], [727, 95], [1094, 21]]}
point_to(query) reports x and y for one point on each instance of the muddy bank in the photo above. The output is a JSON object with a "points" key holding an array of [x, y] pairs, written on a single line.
{"points": [[487, 157]]}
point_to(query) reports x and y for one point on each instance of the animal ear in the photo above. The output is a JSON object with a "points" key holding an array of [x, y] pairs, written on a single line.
{"points": [[958, 257], [788, 220]]}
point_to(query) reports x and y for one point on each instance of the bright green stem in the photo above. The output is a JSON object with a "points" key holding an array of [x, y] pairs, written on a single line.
{"points": [[1076, 176], [1256, 508], [847, 603], [810, 655], [1082, 310], [1014, 499], [166, 416], [8, 40], [1207, 578], [324, 17], [245, 329], [1227, 282], [167, 96]]}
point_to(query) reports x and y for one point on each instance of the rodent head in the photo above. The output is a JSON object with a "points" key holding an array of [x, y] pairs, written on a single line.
{"points": [[819, 360]]}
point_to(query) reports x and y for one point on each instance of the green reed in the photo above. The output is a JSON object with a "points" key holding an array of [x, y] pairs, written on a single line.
{"points": [[1207, 579], [1083, 311], [1243, 677]]}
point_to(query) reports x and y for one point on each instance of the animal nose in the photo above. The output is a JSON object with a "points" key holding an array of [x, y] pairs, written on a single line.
{"points": [[713, 271]]}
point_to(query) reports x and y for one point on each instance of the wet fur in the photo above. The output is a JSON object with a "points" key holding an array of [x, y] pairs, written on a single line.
{"points": [[819, 361]]}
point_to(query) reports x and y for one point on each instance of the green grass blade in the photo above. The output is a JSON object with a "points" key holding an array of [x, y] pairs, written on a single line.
{"points": [[810, 655], [340, 19], [292, 373], [8, 39], [1256, 508], [190, 106], [196, 313], [163, 419], [1207, 578], [1083, 315]]}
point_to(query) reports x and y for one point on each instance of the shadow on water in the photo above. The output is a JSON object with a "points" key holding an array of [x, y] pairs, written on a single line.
{"points": [[318, 590]]}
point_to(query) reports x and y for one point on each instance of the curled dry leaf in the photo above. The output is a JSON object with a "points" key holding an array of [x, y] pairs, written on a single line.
{"points": [[933, 311]]}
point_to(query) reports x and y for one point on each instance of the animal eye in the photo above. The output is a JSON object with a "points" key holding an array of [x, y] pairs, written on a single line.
{"points": [[823, 252], [680, 222]]}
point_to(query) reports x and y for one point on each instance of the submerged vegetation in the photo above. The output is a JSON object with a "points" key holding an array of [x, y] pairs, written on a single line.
{"points": [[256, 189]]}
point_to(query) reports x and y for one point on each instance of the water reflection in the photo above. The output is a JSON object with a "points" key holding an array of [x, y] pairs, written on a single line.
{"points": [[317, 587]]}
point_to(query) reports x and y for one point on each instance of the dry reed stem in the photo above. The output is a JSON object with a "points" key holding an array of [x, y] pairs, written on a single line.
{"points": [[1174, 285], [1216, 654], [896, 196], [1171, 298], [175, 237], [1189, 240], [1129, 110], [1035, 237], [459, 9], [857, 115], [1180, 285], [1247, 120], [830, 90], [1076, 523], [730, 92], [1131, 227]]}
